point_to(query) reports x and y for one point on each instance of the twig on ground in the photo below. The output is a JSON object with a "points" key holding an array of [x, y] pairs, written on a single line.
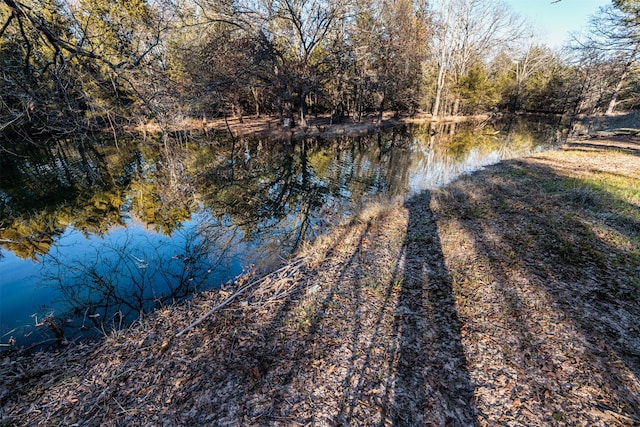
{"points": [[288, 270]]}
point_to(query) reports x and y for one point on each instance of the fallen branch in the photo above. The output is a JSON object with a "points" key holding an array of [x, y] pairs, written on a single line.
{"points": [[634, 421], [6, 125], [288, 270]]}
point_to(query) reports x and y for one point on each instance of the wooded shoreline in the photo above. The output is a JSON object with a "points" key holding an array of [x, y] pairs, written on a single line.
{"points": [[76, 67], [323, 125]]}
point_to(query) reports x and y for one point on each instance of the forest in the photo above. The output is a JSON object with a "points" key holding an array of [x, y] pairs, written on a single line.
{"points": [[80, 66]]}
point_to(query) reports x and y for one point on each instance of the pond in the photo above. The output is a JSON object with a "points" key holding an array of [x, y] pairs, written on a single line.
{"points": [[94, 234]]}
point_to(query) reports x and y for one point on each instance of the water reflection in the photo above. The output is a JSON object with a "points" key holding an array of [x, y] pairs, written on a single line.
{"points": [[134, 271], [45, 189], [97, 234]]}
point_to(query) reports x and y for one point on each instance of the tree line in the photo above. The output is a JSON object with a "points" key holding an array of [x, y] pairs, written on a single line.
{"points": [[70, 66]]}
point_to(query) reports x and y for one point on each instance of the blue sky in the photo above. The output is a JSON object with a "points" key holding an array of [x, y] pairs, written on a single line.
{"points": [[554, 21]]}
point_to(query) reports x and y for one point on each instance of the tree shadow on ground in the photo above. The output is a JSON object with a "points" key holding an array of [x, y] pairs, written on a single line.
{"points": [[430, 377], [423, 370], [381, 344], [626, 145], [551, 267]]}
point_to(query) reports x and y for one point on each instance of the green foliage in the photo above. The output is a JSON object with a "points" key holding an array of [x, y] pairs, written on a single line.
{"points": [[541, 91], [540, 81], [479, 93]]}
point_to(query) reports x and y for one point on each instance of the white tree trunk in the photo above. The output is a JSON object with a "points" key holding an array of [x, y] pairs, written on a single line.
{"points": [[623, 77]]}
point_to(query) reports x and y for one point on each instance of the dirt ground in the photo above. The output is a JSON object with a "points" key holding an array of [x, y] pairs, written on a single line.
{"points": [[507, 298]]}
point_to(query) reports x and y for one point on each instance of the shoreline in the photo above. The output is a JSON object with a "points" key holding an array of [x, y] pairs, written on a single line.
{"points": [[321, 126], [508, 296], [317, 126]]}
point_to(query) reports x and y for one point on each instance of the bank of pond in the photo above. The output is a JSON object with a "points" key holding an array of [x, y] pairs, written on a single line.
{"points": [[94, 233]]}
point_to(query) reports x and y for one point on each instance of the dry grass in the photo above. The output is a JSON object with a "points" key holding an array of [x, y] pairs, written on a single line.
{"points": [[507, 298]]}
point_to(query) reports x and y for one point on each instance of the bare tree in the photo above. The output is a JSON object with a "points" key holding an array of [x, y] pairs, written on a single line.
{"points": [[612, 38], [296, 28], [533, 59], [469, 30]]}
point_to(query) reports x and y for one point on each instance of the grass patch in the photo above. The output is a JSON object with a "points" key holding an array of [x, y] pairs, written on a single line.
{"points": [[583, 196]]}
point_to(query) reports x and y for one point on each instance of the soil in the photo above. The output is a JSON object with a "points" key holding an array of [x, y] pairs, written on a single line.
{"points": [[509, 297]]}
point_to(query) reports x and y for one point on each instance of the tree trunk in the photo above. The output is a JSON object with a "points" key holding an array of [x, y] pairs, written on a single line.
{"points": [[256, 99], [442, 68], [456, 106], [303, 108], [623, 77], [381, 109], [439, 87]]}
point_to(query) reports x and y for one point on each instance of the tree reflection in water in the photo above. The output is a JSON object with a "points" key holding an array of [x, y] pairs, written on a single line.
{"points": [[160, 221], [134, 272]]}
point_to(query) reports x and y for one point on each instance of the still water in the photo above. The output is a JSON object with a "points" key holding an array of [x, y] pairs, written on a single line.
{"points": [[96, 233]]}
